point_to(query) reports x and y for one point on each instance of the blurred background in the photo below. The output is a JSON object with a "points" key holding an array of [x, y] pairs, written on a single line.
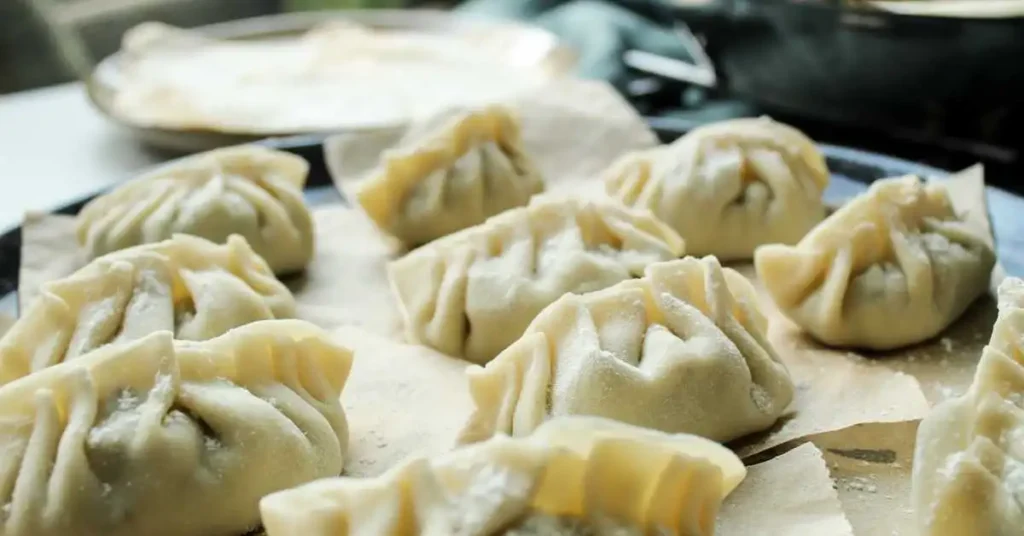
{"points": [[928, 80]]}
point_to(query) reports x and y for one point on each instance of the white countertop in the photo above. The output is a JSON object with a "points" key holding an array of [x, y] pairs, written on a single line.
{"points": [[55, 148]]}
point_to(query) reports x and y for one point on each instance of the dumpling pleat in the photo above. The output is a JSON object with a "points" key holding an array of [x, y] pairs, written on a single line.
{"points": [[881, 272], [467, 167], [494, 278], [163, 437], [969, 458], [159, 224], [728, 187], [186, 285], [592, 473], [248, 190], [667, 352], [29, 497]]}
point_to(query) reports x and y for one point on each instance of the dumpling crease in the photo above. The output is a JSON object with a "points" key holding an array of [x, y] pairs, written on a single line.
{"points": [[454, 172], [682, 350], [186, 285], [969, 459], [171, 438], [473, 293], [893, 267], [728, 187], [572, 476], [247, 190]]}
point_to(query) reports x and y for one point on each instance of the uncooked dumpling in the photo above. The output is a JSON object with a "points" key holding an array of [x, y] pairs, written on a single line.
{"points": [[158, 437], [468, 168], [573, 476], [682, 350], [891, 268], [186, 285], [969, 461], [728, 187], [247, 190], [473, 293]]}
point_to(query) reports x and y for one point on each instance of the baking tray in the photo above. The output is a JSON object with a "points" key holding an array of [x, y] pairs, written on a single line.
{"points": [[852, 170], [530, 47]]}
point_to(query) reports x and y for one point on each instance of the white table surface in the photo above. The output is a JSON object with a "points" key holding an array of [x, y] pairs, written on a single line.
{"points": [[55, 148]]}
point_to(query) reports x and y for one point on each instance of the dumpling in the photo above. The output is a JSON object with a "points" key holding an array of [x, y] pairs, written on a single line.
{"points": [[969, 460], [247, 190], [171, 438], [728, 187], [187, 285], [893, 267], [573, 476], [473, 293], [682, 350], [449, 178]]}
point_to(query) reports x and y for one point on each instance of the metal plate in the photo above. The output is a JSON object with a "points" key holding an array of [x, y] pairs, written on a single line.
{"points": [[852, 170], [545, 55]]}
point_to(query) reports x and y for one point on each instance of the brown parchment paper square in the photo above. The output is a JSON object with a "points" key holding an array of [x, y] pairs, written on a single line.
{"points": [[788, 495], [49, 250], [871, 464], [834, 389], [400, 400], [346, 282]]}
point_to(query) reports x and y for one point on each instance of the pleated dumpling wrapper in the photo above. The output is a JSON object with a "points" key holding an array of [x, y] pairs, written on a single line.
{"points": [[454, 172], [473, 293], [573, 476], [893, 267], [682, 350], [172, 438], [969, 461], [728, 187], [186, 285], [247, 190]]}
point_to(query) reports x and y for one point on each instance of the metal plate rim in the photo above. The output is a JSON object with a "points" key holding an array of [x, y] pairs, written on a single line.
{"points": [[556, 60]]}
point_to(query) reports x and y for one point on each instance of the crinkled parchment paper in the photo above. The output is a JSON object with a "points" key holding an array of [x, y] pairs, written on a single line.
{"points": [[871, 464], [49, 251], [346, 283], [834, 389], [400, 399], [791, 494], [403, 399]]}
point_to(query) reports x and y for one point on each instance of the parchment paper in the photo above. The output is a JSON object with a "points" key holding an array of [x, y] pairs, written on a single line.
{"points": [[834, 389], [789, 495], [871, 464], [400, 399], [49, 251], [346, 283], [573, 129]]}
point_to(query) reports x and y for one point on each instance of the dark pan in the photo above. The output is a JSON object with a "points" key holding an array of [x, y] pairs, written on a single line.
{"points": [[837, 61]]}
